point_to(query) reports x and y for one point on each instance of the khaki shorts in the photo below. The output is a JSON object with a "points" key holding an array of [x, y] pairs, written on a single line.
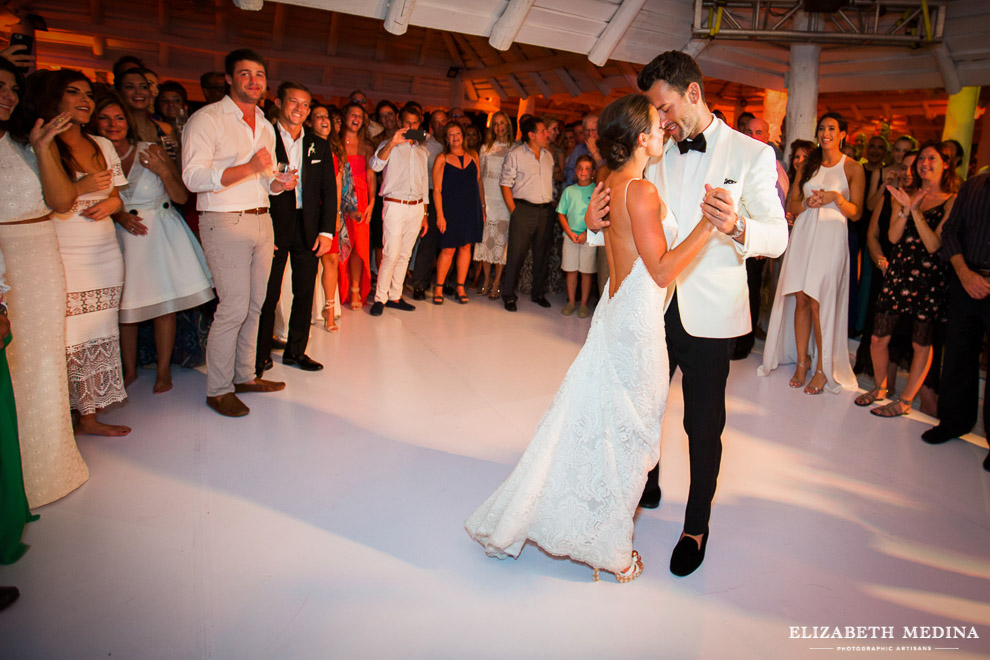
{"points": [[581, 258]]}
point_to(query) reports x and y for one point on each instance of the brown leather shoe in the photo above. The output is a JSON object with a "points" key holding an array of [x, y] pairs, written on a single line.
{"points": [[259, 385], [228, 405]]}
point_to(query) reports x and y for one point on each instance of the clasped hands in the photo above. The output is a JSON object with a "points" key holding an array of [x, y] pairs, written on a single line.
{"points": [[820, 198]]}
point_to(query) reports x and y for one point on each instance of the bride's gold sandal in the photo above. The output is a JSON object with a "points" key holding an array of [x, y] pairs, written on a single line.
{"points": [[796, 382], [816, 389], [634, 571]]}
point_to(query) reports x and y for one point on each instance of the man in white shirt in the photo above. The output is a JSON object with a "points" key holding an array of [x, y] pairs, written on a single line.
{"points": [[527, 187], [404, 164], [227, 160], [708, 173]]}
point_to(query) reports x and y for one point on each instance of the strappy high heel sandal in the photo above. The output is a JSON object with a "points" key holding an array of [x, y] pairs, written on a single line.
{"points": [[438, 295], [796, 382], [634, 571], [495, 292], [462, 297], [356, 297], [811, 389], [329, 322]]}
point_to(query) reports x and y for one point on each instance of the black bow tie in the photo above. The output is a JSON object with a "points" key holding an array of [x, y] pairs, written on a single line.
{"points": [[698, 144]]}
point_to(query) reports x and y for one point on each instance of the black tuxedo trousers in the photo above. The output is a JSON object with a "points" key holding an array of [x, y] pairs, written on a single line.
{"points": [[704, 365], [304, 266]]}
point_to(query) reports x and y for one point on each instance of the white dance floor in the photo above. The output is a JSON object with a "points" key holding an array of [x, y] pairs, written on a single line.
{"points": [[329, 522]]}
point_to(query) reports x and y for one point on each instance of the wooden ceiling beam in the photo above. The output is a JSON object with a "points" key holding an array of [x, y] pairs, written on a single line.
{"points": [[455, 55], [424, 49], [543, 64], [541, 84], [499, 90], [333, 34], [614, 31], [569, 84], [507, 26], [278, 25], [221, 48]]}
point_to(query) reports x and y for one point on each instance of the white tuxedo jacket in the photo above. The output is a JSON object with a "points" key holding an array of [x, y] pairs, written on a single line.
{"points": [[712, 294]]}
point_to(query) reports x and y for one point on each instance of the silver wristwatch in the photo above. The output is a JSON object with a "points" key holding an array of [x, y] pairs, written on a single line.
{"points": [[740, 227]]}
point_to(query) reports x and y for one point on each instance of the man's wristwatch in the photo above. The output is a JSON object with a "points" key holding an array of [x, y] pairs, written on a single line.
{"points": [[740, 227]]}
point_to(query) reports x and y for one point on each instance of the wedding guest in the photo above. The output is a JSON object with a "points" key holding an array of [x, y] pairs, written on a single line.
{"points": [[34, 184], [172, 105], [91, 257], [742, 121], [372, 129], [387, 114], [14, 511], [759, 130], [472, 138], [426, 251], [491, 250], [860, 267], [880, 251], [355, 271], [527, 187], [126, 62], [213, 85], [812, 298], [577, 255], [304, 221], [227, 160], [916, 285], [164, 265], [135, 89], [404, 164], [587, 147], [346, 206], [966, 244], [457, 194]]}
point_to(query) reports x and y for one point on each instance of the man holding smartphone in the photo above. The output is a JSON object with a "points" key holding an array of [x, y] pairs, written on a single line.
{"points": [[405, 164]]}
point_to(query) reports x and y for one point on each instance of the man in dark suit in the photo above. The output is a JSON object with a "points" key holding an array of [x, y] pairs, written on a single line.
{"points": [[304, 220]]}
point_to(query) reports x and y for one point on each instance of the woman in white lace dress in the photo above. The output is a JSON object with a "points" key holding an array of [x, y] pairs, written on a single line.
{"points": [[94, 267], [576, 487], [164, 265], [491, 249], [30, 186]]}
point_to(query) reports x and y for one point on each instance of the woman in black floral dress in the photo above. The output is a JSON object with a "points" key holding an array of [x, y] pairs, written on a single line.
{"points": [[916, 283]]}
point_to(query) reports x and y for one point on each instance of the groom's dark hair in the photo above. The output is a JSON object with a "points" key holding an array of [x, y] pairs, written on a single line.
{"points": [[675, 68]]}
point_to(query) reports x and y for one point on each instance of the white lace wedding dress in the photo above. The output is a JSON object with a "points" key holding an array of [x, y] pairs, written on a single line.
{"points": [[576, 488]]}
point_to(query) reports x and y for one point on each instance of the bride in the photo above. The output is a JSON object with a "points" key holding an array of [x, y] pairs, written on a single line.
{"points": [[576, 487]]}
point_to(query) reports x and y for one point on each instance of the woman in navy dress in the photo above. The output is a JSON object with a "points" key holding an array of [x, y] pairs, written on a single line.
{"points": [[458, 196]]}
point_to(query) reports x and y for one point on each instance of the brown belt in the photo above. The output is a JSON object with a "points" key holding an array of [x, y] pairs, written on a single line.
{"points": [[402, 201], [30, 221]]}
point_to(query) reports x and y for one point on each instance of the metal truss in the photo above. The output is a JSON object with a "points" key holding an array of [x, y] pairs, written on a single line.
{"points": [[858, 22]]}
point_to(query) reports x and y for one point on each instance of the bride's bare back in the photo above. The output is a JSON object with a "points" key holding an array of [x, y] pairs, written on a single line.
{"points": [[636, 202]]}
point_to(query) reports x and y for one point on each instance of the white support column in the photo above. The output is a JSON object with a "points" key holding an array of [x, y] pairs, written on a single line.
{"points": [[621, 20], [509, 23], [960, 117], [802, 89], [397, 16], [527, 106]]}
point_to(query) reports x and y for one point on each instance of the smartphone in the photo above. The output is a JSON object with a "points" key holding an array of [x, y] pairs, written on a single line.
{"points": [[416, 134], [18, 39]]}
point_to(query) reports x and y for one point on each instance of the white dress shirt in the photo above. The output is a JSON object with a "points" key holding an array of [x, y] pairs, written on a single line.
{"points": [[683, 169], [294, 150], [529, 177], [405, 172], [217, 138]]}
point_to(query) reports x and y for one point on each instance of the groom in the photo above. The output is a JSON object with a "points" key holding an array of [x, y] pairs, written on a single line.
{"points": [[708, 173]]}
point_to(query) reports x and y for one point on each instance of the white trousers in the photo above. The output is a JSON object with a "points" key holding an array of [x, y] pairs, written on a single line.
{"points": [[401, 226]]}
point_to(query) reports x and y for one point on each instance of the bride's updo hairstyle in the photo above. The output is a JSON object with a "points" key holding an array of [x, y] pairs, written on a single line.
{"points": [[619, 127]]}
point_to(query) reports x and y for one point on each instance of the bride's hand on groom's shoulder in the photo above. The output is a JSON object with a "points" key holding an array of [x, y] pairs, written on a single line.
{"points": [[596, 217]]}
